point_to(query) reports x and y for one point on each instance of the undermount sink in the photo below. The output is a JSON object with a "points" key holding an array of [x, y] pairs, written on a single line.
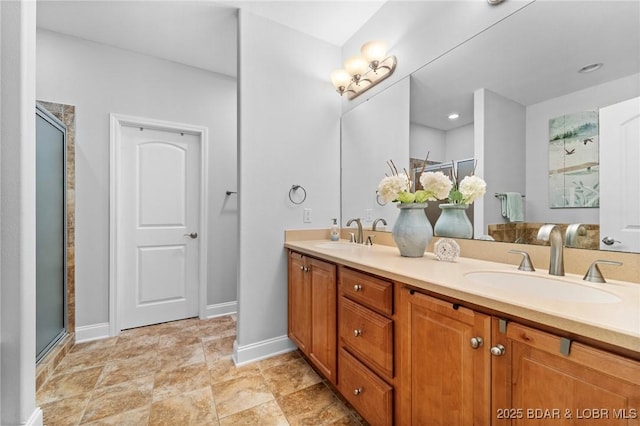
{"points": [[338, 245], [540, 287]]}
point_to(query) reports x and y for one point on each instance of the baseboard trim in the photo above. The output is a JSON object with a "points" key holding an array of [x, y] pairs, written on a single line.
{"points": [[265, 349], [36, 418], [221, 309], [88, 333]]}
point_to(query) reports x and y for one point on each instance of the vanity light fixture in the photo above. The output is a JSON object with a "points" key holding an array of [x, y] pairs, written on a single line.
{"points": [[454, 116], [590, 68], [362, 72]]}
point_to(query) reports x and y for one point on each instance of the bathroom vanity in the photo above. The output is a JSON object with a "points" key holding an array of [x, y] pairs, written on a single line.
{"points": [[419, 341]]}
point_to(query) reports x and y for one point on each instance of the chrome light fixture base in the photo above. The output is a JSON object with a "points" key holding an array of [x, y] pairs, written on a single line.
{"points": [[377, 73]]}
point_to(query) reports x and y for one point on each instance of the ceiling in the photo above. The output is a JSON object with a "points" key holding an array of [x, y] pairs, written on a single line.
{"points": [[197, 33], [529, 57]]}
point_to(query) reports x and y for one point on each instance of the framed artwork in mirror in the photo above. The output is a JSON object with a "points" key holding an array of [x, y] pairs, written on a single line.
{"points": [[574, 179]]}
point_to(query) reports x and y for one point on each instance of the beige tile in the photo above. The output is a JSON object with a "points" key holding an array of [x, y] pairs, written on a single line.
{"points": [[346, 421], [315, 405], [267, 414], [191, 408], [224, 370], [66, 411], [113, 400], [216, 328], [137, 417], [130, 347], [290, 377], [240, 394], [176, 382], [104, 344], [180, 356], [186, 337], [278, 359], [126, 369], [82, 360], [218, 348], [63, 386]]}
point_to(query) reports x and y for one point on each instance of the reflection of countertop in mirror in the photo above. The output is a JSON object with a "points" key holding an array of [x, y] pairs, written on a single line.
{"points": [[615, 324]]}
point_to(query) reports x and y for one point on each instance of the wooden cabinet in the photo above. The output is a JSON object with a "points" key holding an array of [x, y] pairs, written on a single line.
{"points": [[445, 362], [312, 311], [542, 378], [366, 341]]}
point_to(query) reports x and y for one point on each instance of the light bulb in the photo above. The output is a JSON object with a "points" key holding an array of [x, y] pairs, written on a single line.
{"points": [[340, 79], [356, 65], [374, 51]]}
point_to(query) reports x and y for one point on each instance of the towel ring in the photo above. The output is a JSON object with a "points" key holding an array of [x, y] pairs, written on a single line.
{"points": [[378, 200], [295, 188]]}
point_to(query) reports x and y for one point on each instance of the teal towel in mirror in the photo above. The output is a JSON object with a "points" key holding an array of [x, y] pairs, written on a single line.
{"points": [[511, 206]]}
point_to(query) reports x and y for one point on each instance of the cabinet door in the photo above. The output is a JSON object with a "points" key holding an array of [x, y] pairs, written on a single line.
{"points": [[445, 371], [536, 383], [323, 317], [299, 304]]}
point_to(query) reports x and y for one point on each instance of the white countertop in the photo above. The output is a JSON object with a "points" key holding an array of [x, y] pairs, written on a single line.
{"points": [[615, 323]]}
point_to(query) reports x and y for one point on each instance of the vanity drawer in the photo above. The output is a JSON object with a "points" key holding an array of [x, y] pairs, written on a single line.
{"points": [[370, 395], [368, 335], [367, 290]]}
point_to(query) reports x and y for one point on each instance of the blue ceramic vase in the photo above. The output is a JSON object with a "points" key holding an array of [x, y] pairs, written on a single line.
{"points": [[453, 222], [412, 231]]}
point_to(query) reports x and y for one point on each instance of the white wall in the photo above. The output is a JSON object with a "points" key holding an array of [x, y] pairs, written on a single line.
{"points": [[537, 146], [289, 133], [459, 143], [499, 125], [98, 80], [17, 210], [425, 139], [374, 133]]}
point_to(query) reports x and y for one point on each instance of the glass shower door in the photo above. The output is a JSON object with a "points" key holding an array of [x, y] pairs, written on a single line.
{"points": [[51, 231]]}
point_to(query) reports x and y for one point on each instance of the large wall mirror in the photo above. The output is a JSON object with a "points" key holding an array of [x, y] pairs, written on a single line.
{"points": [[507, 84]]}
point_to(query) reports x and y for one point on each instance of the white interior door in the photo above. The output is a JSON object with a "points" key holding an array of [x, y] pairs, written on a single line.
{"points": [[158, 225], [620, 176]]}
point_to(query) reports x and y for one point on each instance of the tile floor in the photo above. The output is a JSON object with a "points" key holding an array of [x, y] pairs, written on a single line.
{"points": [[181, 373]]}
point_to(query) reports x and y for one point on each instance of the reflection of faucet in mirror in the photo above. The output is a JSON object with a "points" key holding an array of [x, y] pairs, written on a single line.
{"points": [[359, 238], [375, 222], [551, 233], [573, 232]]}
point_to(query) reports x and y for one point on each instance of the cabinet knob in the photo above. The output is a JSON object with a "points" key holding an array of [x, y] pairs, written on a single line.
{"points": [[357, 287], [498, 350], [357, 333], [357, 391], [302, 268], [476, 342]]}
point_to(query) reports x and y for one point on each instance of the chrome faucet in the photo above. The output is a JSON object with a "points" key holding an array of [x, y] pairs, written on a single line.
{"points": [[573, 232], [551, 233], [359, 238], [375, 222]]}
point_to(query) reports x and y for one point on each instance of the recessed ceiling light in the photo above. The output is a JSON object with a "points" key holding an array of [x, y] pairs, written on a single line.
{"points": [[590, 68], [454, 116]]}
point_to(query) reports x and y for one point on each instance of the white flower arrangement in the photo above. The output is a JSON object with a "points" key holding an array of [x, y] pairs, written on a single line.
{"points": [[470, 189], [397, 187]]}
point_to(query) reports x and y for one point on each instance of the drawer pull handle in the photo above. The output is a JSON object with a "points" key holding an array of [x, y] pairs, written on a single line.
{"points": [[357, 332], [357, 391], [498, 350], [357, 287], [476, 342]]}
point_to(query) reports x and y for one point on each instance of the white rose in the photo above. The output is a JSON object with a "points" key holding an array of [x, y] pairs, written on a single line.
{"points": [[471, 188], [391, 186], [437, 184]]}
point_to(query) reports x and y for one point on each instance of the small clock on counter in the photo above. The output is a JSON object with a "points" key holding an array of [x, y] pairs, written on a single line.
{"points": [[446, 249]]}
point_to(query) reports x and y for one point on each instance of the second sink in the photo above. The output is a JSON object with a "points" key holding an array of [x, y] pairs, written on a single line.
{"points": [[540, 287]]}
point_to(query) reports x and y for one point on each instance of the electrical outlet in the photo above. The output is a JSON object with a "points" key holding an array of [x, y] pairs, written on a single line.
{"points": [[306, 215], [369, 215]]}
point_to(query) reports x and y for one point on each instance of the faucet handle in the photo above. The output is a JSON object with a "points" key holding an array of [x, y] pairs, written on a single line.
{"points": [[352, 237], [525, 264], [594, 274], [370, 240]]}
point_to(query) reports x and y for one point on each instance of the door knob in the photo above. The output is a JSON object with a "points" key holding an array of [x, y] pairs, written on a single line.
{"points": [[498, 350], [476, 342], [192, 235], [609, 241]]}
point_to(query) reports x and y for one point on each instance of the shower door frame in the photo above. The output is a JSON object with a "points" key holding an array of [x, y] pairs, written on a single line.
{"points": [[57, 123]]}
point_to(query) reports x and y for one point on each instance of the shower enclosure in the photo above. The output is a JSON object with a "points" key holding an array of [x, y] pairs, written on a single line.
{"points": [[51, 231]]}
